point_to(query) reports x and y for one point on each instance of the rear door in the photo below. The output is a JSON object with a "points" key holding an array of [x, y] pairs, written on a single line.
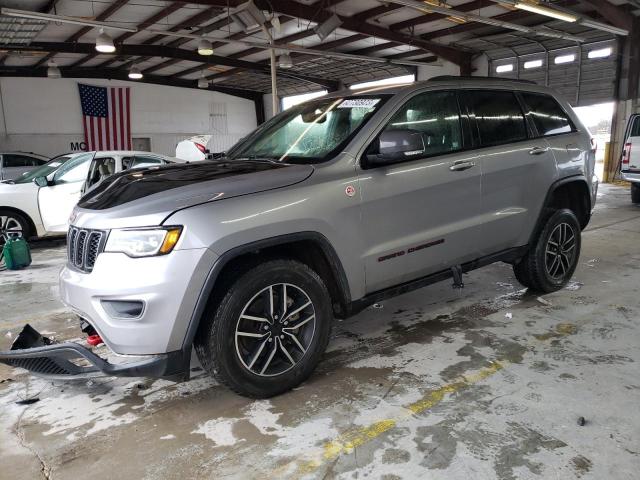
{"points": [[515, 163], [572, 149], [422, 215]]}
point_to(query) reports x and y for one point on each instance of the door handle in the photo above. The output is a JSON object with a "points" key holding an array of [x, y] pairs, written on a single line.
{"points": [[538, 150], [461, 165]]}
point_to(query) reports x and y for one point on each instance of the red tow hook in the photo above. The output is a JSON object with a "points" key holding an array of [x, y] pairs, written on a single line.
{"points": [[94, 340]]}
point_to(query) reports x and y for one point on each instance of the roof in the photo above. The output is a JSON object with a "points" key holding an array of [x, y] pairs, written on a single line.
{"points": [[382, 30]]}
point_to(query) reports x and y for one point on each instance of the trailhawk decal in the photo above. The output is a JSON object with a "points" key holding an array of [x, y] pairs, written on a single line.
{"points": [[401, 253]]}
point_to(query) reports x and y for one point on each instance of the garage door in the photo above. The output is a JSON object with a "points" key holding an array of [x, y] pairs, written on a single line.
{"points": [[584, 75]]}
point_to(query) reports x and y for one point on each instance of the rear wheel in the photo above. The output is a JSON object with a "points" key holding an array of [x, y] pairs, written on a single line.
{"points": [[269, 331], [553, 257], [635, 193], [13, 224]]}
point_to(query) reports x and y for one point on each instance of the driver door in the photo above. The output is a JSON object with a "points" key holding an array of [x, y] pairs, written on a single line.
{"points": [[56, 201], [422, 214]]}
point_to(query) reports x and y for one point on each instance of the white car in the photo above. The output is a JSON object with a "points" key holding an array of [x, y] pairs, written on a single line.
{"points": [[39, 203]]}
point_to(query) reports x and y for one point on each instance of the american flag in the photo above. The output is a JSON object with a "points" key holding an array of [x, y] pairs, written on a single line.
{"points": [[106, 117]]}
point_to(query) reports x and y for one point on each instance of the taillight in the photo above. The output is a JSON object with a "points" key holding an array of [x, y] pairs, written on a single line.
{"points": [[626, 155], [200, 147], [594, 144]]}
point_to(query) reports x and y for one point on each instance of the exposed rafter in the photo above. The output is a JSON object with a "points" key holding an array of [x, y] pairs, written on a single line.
{"points": [[110, 10], [313, 13], [168, 10], [163, 51]]}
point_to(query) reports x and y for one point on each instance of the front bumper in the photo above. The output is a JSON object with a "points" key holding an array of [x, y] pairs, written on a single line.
{"points": [[630, 177], [166, 286], [70, 360]]}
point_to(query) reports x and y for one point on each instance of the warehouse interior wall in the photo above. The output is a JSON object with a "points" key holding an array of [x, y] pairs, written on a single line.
{"points": [[42, 115]]}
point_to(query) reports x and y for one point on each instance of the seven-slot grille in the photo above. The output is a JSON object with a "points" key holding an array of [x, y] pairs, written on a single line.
{"points": [[83, 247]]}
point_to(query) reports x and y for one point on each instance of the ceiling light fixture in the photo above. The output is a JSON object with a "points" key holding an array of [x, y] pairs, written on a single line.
{"points": [[104, 43], [135, 73], [53, 71], [284, 61], [546, 11], [204, 47], [202, 81], [327, 27]]}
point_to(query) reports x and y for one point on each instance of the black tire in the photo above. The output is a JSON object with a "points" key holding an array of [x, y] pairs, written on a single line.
{"points": [[635, 193], [547, 268], [225, 354], [9, 218]]}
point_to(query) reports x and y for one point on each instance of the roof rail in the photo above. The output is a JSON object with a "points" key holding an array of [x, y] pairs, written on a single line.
{"points": [[479, 79]]}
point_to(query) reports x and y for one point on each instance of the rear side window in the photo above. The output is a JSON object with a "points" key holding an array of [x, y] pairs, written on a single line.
{"points": [[497, 114], [547, 115]]}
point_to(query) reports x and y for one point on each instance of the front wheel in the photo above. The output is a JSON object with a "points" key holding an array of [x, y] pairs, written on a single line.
{"points": [[269, 331], [553, 256], [13, 224]]}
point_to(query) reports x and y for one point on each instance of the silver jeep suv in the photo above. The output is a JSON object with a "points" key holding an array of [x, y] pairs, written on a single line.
{"points": [[328, 207]]}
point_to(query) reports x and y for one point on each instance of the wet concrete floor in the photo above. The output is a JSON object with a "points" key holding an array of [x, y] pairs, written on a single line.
{"points": [[486, 383]]}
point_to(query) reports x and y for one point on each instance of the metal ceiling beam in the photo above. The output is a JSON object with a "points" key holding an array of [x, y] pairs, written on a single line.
{"points": [[616, 15], [168, 10], [298, 56], [190, 22], [431, 17], [101, 17], [120, 74], [157, 51], [313, 13]]}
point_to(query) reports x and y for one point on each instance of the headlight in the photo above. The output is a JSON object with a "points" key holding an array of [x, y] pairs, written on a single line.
{"points": [[144, 242]]}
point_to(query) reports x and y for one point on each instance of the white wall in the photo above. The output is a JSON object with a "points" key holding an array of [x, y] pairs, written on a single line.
{"points": [[441, 67], [44, 116]]}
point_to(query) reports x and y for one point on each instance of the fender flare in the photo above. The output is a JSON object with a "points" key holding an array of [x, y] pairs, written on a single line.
{"points": [[205, 293], [547, 200]]}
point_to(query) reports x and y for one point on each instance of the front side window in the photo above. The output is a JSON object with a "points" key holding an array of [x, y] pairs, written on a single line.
{"points": [[497, 114], [74, 170], [546, 114], [43, 170], [311, 132], [433, 116]]}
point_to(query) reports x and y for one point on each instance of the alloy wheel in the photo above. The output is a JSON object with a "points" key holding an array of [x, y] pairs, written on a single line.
{"points": [[560, 251], [9, 227], [275, 329]]}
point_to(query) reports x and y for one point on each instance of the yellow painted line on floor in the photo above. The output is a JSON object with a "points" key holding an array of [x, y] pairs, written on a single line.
{"points": [[345, 443]]}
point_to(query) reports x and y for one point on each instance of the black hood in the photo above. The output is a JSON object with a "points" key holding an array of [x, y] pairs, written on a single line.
{"points": [[132, 185]]}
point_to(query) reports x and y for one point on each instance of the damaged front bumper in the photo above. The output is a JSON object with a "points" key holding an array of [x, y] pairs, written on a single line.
{"points": [[40, 356]]}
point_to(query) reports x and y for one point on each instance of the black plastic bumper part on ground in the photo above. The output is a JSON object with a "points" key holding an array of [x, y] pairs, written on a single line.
{"points": [[71, 360]]}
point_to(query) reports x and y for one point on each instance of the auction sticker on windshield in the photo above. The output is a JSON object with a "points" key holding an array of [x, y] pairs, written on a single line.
{"points": [[359, 103]]}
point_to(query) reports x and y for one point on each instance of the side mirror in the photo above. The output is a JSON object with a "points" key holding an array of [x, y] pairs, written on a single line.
{"points": [[396, 146], [41, 181]]}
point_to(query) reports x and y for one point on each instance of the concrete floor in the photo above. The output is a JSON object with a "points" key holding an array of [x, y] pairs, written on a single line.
{"points": [[487, 383]]}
